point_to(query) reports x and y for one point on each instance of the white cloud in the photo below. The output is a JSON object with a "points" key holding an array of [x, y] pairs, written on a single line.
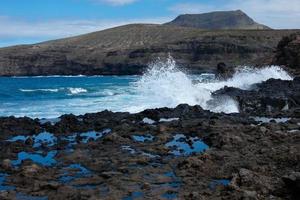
{"points": [[274, 13], [20, 30], [191, 8], [116, 2]]}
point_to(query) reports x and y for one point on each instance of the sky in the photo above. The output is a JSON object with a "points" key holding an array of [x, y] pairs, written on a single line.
{"points": [[32, 21]]}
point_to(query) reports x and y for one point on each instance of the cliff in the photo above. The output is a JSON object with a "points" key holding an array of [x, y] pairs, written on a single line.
{"points": [[128, 49], [288, 53]]}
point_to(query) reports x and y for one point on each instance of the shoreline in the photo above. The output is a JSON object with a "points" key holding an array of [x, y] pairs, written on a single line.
{"points": [[180, 153]]}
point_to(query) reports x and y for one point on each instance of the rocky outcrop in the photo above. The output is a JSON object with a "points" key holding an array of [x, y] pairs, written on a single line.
{"points": [[267, 98], [224, 71], [218, 20], [129, 49], [288, 53], [241, 159]]}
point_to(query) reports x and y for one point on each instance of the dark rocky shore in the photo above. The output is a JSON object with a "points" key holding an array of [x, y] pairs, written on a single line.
{"points": [[180, 153]]}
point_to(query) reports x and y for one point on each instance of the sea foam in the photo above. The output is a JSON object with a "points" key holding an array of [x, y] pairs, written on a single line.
{"points": [[77, 90], [39, 90], [164, 85]]}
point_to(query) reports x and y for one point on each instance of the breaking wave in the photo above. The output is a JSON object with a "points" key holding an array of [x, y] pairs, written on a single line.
{"points": [[39, 90], [70, 90], [164, 85], [77, 90]]}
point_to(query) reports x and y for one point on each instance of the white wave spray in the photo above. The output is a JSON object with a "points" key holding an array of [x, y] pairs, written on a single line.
{"points": [[38, 90], [74, 91], [164, 85]]}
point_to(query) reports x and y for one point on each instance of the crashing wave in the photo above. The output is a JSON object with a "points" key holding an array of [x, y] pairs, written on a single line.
{"points": [[164, 85]]}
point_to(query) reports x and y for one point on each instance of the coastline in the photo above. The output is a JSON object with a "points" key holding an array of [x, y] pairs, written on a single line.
{"points": [[101, 102], [185, 153]]}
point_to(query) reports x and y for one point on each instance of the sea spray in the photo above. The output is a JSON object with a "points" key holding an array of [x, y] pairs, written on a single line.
{"points": [[164, 85]]}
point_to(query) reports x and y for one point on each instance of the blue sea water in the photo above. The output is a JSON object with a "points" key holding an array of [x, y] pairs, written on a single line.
{"points": [[50, 97], [163, 85]]}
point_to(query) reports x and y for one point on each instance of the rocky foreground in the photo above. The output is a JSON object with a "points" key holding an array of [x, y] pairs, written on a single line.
{"points": [[180, 153]]}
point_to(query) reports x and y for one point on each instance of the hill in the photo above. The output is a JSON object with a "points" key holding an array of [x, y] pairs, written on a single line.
{"points": [[218, 20], [128, 49]]}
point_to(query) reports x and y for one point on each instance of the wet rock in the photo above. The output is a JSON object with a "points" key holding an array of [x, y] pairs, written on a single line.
{"points": [[269, 97], [245, 159], [7, 195], [29, 141], [31, 170], [6, 164], [250, 195], [292, 182], [224, 71], [113, 138], [263, 129], [66, 192], [110, 174], [288, 53]]}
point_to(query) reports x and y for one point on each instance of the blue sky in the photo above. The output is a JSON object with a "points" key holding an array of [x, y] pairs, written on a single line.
{"points": [[31, 21]]}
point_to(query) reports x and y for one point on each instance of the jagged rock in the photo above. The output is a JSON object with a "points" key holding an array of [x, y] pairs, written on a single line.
{"points": [[288, 53], [292, 182], [6, 164], [265, 98], [224, 71], [31, 170]]}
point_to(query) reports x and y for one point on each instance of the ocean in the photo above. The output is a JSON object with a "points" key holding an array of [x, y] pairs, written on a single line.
{"points": [[163, 85]]}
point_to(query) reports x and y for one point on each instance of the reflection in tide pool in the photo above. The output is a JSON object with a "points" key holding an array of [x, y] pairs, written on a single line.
{"points": [[93, 135], [85, 137], [181, 146], [169, 195], [21, 196], [269, 119], [218, 182], [128, 148], [4, 187], [47, 160], [143, 138], [43, 138], [134, 195], [74, 171]]}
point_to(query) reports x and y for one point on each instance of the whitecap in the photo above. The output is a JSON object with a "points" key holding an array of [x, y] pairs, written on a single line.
{"points": [[77, 90], [39, 90]]}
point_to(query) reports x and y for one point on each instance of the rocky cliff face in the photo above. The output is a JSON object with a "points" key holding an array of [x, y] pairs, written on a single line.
{"points": [[288, 53], [128, 50], [218, 20]]}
